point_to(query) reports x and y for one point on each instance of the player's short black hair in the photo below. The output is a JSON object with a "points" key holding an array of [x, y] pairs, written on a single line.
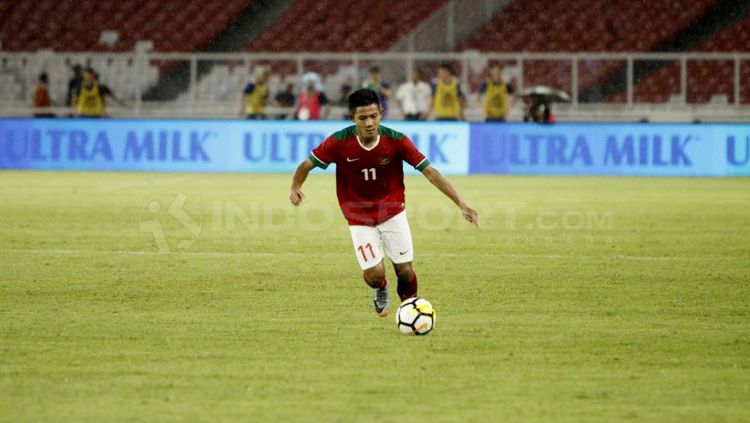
{"points": [[363, 97], [374, 69], [447, 66]]}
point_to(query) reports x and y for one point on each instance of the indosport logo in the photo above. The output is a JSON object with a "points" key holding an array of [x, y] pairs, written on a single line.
{"points": [[170, 222]]}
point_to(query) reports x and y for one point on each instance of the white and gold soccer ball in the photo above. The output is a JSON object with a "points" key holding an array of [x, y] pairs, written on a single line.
{"points": [[415, 316]]}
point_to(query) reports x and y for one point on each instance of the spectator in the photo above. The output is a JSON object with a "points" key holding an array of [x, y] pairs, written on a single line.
{"points": [[88, 100], [73, 83], [343, 101], [539, 111], [381, 87], [413, 97], [498, 95], [313, 103], [107, 92], [255, 96], [448, 100], [286, 99], [42, 101]]}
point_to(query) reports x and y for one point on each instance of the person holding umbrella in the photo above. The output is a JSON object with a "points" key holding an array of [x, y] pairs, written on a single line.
{"points": [[539, 101]]}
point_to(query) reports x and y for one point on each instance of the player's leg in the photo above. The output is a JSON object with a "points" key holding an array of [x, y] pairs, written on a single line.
{"points": [[398, 244], [369, 253], [407, 280], [375, 276]]}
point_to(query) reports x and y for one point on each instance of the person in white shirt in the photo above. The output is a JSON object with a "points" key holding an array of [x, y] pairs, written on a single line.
{"points": [[413, 97]]}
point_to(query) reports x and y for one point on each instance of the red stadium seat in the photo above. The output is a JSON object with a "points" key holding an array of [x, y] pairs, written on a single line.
{"points": [[374, 26], [135, 20], [705, 78], [581, 26]]}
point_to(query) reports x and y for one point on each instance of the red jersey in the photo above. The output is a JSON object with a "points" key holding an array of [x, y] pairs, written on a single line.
{"points": [[369, 181]]}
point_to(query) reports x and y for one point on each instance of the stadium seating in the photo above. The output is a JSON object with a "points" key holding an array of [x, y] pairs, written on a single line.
{"points": [[76, 26], [707, 80], [315, 26], [175, 25], [583, 26], [327, 25]]}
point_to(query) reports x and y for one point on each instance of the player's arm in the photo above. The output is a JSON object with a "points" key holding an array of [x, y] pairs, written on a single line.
{"points": [[461, 102], [300, 175], [482, 91], [436, 178], [74, 104], [385, 89], [433, 99], [400, 98], [326, 106], [272, 101], [243, 104], [243, 98]]}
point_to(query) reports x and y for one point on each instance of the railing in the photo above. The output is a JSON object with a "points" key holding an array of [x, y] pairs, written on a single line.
{"points": [[202, 80]]}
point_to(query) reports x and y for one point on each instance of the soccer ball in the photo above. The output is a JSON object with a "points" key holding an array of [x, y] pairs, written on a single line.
{"points": [[415, 316]]}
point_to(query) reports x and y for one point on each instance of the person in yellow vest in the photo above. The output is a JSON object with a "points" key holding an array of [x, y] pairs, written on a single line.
{"points": [[498, 95], [88, 100], [448, 100], [255, 96]]}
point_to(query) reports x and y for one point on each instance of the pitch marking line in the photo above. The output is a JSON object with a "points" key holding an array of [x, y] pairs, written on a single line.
{"points": [[54, 251]]}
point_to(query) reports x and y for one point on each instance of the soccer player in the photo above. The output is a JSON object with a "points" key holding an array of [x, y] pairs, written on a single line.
{"points": [[497, 94], [376, 83], [448, 99], [89, 100], [370, 190], [254, 97]]}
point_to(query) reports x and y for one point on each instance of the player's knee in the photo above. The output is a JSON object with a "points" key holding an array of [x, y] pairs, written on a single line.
{"points": [[374, 276]]}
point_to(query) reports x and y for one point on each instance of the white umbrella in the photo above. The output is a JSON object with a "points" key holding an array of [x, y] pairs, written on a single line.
{"points": [[548, 94]]}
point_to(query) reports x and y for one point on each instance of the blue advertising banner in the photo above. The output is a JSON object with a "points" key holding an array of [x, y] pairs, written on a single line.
{"points": [[454, 148], [611, 149], [199, 145]]}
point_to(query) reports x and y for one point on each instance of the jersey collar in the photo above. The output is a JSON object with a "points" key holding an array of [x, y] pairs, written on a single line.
{"points": [[375, 144]]}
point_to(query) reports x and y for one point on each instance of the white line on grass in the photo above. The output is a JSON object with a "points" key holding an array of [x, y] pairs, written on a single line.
{"points": [[56, 251]]}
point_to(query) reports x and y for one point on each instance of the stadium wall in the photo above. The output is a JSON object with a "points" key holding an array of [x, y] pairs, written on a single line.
{"points": [[458, 148]]}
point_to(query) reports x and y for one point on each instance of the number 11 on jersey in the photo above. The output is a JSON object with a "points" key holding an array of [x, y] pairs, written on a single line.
{"points": [[369, 174]]}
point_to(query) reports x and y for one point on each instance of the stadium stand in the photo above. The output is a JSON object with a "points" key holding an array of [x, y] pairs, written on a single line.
{"points": [[77, 26], [326, 25], [80, 29], [583, 26], [175, 25], [358, 27], [707, 80]]}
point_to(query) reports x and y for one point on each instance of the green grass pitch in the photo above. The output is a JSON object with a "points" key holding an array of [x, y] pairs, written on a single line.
{"points": [[577, 299]]}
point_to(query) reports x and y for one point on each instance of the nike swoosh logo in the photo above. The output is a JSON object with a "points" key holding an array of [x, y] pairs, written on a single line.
{"points": [[403, 252], [352, 160]]}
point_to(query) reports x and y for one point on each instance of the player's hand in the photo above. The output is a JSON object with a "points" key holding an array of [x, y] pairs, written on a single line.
{"points": [[470, 214], [296, 197]]}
